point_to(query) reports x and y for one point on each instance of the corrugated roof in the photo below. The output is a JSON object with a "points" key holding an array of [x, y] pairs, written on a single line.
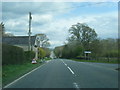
{"points": [[18, 40]]}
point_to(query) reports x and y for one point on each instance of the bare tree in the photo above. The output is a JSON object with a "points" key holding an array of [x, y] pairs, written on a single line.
{"points": [[43, 40], [2, 30]]}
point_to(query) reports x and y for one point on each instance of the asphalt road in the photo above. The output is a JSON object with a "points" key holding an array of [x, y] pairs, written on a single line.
{"points": [[63, 73]]}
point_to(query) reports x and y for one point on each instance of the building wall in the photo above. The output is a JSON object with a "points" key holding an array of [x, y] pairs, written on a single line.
{"points": [[25, 48]]}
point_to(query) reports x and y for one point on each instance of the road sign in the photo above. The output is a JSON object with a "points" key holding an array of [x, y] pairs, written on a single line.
{"points": [[87, 51]]}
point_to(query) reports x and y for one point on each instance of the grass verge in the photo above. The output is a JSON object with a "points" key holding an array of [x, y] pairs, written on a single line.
{"points": [[0, 77], [97, 61], [47, 59], [12, 72]]}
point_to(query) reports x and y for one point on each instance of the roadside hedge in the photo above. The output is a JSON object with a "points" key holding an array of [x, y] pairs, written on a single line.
{"points": [[29, 55], [12, 54], [15, 55]]}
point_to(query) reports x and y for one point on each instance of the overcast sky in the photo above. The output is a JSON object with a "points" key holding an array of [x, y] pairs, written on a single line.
{"points": [[55, 18]]}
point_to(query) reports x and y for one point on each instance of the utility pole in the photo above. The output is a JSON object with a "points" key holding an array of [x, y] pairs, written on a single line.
{"points": [[37, 41], [29, 33]]}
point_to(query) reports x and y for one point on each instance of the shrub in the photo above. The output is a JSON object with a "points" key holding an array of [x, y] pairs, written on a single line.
{"points": [[41, 53], [29, 55], [111, 54], [12, 54]]}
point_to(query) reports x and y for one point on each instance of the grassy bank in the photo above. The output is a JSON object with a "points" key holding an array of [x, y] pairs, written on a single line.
{"points": [[12, 72], [47, 59], [97, 61], [0, 76]]}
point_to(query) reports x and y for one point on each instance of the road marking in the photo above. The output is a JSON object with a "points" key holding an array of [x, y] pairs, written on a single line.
{"points": [[71, 70], [22, 76], [65, 64], [48, 61], [76, 86], [62, 61]]}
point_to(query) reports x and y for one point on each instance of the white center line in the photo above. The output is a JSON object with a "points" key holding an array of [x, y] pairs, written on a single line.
{"points": [[65, 64], [68, 68], [71, 70], [76, 86]]}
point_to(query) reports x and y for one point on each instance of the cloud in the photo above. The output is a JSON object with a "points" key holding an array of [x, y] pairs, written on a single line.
{"points": [[40, 20], [104, 25], [57, 30], [52, 23], [56, 43], [61, 0], [13, 10]]}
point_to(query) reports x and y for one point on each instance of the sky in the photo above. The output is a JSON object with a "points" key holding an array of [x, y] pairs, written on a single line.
{"points": [[55, 18]]}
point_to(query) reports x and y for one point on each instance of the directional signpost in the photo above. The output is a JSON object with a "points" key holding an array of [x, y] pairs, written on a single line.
{"points": [[87, 54]]}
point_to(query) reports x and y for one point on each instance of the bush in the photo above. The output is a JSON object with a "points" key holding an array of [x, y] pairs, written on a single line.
{"points": [[111, 54], [41, 53], [80, 57], [72, 51], [12, 54], [29, 55]]}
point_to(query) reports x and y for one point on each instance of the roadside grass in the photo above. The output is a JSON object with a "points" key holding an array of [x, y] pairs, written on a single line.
{"points": [[97, 61], [0, 77], [12, 72], [46, 59]]}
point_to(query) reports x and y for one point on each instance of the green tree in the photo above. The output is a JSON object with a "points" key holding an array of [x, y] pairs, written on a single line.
{"points": [[83, 34], [48, 51], [72, 50], [66, 52], [58, 51], [96, 49], [41, 53]]}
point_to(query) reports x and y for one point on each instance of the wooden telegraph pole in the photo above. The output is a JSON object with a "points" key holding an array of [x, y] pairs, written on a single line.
{"points": [[29, 33]]}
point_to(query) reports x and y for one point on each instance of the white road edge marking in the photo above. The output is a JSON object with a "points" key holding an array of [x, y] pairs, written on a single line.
{"points": [[76, 86], [22, 76], [71, 70]]}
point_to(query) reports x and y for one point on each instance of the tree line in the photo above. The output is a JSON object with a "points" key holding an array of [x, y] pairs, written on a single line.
{"points": [[84, 38]]}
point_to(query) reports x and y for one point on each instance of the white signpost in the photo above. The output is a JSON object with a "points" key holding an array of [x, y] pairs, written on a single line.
{"points": [[87, 52]]}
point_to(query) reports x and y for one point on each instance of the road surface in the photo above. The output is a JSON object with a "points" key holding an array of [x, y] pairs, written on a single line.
{"points": [[63, 73]]}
